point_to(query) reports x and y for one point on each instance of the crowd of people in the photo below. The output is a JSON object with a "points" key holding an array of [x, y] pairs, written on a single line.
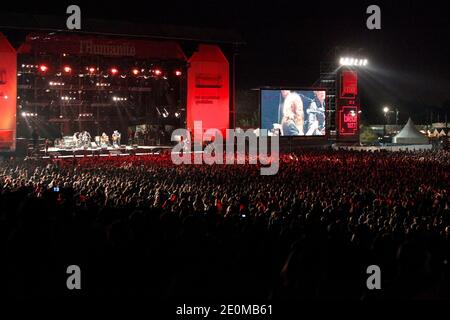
{"points": [[144, 226]]}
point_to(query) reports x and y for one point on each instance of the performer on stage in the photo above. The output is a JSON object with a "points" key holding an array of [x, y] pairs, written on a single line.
{"points": [[116, 138], [85, 139], [104, 140], [76, 139]]}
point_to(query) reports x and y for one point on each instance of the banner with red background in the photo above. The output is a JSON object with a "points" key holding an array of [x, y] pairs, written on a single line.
{"points": [[208, 98], [348, 106], [110, 47], [348, 120], [349, 84]]}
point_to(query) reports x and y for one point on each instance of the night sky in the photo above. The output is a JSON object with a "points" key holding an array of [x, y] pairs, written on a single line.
{"points": [[285, 42]]}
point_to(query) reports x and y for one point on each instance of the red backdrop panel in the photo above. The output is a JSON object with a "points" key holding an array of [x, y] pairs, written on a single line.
{"points": [[348, 120], [8, 95], [208, 98], [349, 83]]}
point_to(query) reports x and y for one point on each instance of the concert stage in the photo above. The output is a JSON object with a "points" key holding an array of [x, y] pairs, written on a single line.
{"points": [[123, 150]]}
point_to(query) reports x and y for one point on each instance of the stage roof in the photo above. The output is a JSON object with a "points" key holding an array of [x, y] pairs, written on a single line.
{"points": [[33, 22]]}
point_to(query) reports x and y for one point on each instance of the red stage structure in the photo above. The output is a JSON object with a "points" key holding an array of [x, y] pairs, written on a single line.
{"points": [[348, 107], [208, 98], [8, 94], [66, 83]]}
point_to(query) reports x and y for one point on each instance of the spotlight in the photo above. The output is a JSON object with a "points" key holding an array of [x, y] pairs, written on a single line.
{"points": [[114, 71], [158, 72], [91, 69], [67, 69], [24, 114], [178, 73], [177, 114], [43, 68], [351, 61], [135, 71]]}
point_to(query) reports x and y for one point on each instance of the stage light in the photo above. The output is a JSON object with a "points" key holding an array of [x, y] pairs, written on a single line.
{"points": [[135, 72], [28, 114], [114, 71], [351, 61], [178, 73], [158, 72], [385, 109], [43, 68], [91, 69], [67, 69]]}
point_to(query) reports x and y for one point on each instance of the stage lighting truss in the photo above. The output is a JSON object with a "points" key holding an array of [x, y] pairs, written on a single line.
{"points": [[29, 114], [101, 92]]}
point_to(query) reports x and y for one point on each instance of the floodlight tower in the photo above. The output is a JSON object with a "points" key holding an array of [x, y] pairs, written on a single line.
{"points": [[339, 76]]}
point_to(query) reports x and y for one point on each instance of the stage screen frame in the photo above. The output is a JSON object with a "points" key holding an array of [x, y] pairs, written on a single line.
{"points": [[296, 89]]}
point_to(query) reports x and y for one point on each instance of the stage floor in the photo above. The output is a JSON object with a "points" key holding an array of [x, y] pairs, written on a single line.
{"points": [[56, 152]]}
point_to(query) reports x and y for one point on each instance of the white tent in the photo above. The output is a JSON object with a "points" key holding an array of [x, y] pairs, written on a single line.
{"points": [[410, 135]]}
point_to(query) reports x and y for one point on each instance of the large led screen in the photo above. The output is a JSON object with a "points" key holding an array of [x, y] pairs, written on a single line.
{"points": [[293, 112]]}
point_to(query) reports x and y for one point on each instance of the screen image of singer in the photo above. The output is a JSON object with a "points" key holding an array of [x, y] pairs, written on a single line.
{"points": [[287, 112]]}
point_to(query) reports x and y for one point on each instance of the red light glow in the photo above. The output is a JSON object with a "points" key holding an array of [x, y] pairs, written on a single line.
{"points": [[43, 68]]}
